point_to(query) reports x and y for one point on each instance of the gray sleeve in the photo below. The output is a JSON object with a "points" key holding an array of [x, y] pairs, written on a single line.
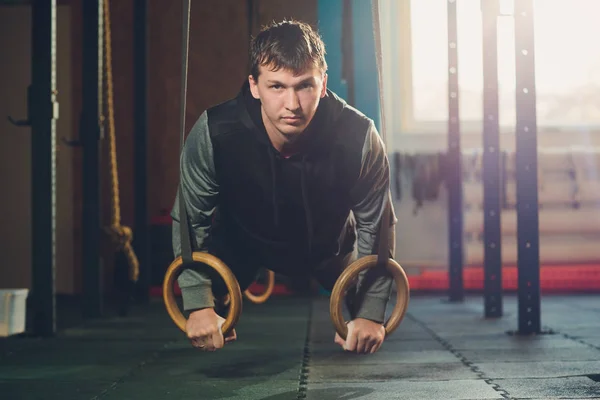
{"points": [[370, 195], [200, 191]]}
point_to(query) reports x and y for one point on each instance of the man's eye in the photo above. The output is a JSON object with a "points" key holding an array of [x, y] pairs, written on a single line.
{"points": [[275, 86]]}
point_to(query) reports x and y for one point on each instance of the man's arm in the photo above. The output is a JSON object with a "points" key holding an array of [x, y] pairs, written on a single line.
{"points": [[370, 196], [200, 191]]}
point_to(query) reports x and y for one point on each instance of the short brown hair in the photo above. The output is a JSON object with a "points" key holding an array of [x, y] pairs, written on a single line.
{"points": [[289, 44]]}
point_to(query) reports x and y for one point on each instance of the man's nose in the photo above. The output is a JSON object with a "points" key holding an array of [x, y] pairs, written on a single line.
{"points": [[291, 100]]}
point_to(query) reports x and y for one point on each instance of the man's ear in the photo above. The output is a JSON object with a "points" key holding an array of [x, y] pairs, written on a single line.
{"points": [[324, 89], [253, 87]]}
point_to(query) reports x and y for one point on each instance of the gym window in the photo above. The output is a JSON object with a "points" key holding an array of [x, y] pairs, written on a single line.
{"points": [[567, 67]]}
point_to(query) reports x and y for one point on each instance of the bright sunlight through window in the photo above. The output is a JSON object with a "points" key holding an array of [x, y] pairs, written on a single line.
{"points": [[567, 63]]}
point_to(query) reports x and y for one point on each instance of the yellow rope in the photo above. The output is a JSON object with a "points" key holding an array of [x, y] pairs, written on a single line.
{"points": [[121, 235]]}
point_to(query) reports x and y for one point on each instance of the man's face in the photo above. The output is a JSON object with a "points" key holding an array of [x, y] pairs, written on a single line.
{"points": [[289, 101]]}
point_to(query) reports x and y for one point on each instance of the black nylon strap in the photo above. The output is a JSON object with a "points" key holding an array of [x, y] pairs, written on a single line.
{"points": [[186, 246], [384, 227], [383, 251]]}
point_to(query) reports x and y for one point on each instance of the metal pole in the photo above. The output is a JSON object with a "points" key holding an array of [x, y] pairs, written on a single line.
{"points": [[90, 134], [491, 163], [526, 171], [44, 112], [141, 241], [454, 182]]}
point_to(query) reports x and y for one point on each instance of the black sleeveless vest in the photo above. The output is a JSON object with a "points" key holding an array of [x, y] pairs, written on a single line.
{"points": [[285, 210]]}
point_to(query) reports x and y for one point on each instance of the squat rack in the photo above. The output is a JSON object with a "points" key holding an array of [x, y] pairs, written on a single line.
{"points": [[43, 113]]}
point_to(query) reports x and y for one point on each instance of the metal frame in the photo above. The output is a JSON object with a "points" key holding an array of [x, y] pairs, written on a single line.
{"points": [[526, 167], [44, 112], [491, 163], [526, 171], [454, 168]]}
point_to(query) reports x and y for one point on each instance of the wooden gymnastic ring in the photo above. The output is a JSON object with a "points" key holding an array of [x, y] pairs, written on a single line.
{"points": [[345, 280], [261, 298], [235, 293], [258, 299]]}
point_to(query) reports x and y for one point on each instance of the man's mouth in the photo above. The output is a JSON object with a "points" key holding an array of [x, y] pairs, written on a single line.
{"points": [[294, 121]]}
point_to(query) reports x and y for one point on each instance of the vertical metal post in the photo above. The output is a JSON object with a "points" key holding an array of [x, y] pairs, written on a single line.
{"points": [[491, 163], [44, 112], [526, 171], [454, 182], [90, 134], [141, 237]]}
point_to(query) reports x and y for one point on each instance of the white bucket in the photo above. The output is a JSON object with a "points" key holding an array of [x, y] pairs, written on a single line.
{"points": [[12, 311]]}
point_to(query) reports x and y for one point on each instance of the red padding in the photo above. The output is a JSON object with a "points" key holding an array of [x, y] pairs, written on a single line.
{"points": [[553, 278], [161, 220]]}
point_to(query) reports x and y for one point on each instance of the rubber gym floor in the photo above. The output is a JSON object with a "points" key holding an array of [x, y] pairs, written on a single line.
{"points": [[285, 350]]}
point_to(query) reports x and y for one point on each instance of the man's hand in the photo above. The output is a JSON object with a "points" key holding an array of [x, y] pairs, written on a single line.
{"points": [[203, 328], [364, 336]]}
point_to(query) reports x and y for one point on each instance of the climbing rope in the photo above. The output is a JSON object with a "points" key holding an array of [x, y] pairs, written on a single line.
{"points": [[121, 235]]}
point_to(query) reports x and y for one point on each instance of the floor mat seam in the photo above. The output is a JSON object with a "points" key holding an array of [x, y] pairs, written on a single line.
{"points": [[306, 354], [469, 364], [573, 338]]}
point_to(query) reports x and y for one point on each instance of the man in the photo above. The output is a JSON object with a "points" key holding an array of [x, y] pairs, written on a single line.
{"points": [[288, 177]]}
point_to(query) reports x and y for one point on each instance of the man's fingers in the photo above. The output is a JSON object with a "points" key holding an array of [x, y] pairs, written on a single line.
{"points": [[351, 341], [217, 336], [204, 344], [360, 345], [370, 346], [217, 339], [231, 336], [364, 344], [376, 347], [200, 338], [377, 342]]}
